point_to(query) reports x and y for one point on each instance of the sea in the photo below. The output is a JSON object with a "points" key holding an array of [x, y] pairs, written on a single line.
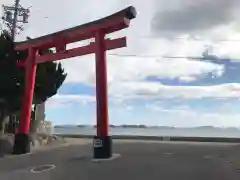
{"points": [[154, 131]]}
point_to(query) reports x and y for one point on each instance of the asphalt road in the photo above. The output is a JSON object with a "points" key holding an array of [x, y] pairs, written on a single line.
{"points": [[139, 160]]}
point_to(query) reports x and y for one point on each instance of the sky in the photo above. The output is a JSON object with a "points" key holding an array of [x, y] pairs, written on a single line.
{"points": [[145, 87]]}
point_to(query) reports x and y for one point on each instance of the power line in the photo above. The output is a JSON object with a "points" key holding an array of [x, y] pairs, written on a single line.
{"points": [[190, 39], [135, 55], [172, 57], [157, 56]]}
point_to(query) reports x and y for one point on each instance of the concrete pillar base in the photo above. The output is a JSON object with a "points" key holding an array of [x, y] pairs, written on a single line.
{"points": [[21, 143], [102, 147]]}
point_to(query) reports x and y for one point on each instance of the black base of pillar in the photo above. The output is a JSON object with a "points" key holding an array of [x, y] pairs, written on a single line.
{"points": [[21, 143], [102, 147]]}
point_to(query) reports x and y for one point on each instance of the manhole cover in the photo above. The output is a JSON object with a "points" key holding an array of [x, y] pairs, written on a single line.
{"points": [[43, 168]]}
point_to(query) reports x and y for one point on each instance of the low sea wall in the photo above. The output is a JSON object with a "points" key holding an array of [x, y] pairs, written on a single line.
{"points": [[161, 138]]}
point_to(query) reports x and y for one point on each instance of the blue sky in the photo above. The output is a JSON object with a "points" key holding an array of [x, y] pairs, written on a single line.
{"points": [[148, 88]]}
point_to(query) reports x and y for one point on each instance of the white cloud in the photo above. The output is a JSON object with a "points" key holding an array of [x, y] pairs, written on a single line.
{"points": [[185, 116], [136, 68], [187, 79], [119, 92], [194, 17], [81, 69], [154, 90], [130, 69], [176, 110], [178, 116], [63, 100], [126, 75]]}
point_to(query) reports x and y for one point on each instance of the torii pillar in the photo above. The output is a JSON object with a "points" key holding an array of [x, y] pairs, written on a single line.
{"points": [[97, 29]]}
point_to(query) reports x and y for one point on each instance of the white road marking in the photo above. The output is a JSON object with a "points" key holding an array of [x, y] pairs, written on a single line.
{"points": [[168, 153], [114, 156], [15, 155], [50, 167], [208, 157]]}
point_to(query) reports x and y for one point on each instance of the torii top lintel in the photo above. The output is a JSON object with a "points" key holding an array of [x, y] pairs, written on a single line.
{"points": [[109, 24]]}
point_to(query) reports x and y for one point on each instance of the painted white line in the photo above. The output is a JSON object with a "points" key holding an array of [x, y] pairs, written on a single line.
{"points": [[168, 153], [48, 168], [207, 157], [114, 156], [15, 155]]}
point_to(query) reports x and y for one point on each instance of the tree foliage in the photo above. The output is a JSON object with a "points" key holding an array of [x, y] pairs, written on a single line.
{"points": [[49, 77], [12, 77]]}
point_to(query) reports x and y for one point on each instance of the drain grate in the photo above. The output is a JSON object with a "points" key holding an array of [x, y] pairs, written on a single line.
{"points": [[43, 168]]}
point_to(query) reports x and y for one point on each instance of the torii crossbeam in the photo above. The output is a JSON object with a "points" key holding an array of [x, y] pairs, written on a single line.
{"points": [[59, 40]]}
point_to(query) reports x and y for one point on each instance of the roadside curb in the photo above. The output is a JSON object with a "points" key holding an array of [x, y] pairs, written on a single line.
{"points": [[160, 138]]}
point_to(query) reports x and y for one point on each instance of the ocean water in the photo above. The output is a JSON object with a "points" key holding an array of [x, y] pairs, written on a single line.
{"points": [[186, 132]]}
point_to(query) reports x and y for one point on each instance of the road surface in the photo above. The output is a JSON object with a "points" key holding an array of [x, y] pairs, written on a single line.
{"points": [[140, 160]]}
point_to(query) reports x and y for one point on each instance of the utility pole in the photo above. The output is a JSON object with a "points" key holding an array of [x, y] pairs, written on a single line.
{"points": [[14, 17]]}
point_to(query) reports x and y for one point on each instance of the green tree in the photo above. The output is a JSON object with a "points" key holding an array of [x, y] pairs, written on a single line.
{"points": [[49, 78], [11, 79]]}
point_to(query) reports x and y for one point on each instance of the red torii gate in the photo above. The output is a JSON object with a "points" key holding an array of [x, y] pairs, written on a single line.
{"points": [[59, 40]]}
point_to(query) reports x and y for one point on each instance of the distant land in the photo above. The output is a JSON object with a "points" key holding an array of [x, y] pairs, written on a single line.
{"points": [[112, 126], [144, 126]]}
